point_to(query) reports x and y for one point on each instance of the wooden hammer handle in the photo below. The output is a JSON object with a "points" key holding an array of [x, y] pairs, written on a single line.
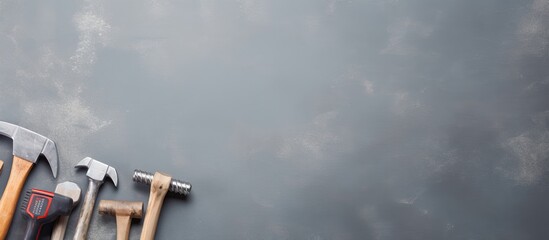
{"points": [[58, 232], [20, 169], [83, 224], [123, 224], [159, 188]]}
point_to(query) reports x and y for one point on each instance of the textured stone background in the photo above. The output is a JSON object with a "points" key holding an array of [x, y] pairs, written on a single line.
{"points": [[330, 119]]}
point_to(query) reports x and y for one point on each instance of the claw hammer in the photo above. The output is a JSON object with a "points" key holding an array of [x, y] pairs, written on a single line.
{"points": [[27, 147], [97, 171]]}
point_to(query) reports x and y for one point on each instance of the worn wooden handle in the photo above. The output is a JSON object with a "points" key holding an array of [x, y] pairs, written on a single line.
{"points": [[124, 212], [83, 224], [124, 208], [58, 232], [159, 187], [123, 227], [19, 171]]}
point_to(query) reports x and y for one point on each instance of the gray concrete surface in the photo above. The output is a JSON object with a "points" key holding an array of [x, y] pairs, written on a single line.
{"points": [[330, 119]]}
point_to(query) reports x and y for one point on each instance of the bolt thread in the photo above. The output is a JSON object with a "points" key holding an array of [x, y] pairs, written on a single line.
{"points": [[142, 177], [176, 186]]}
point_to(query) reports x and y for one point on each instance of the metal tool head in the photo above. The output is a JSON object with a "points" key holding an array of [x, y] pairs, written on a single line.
{"points": [[30, 145], [176, 186], [98, 170], [69, 189]]}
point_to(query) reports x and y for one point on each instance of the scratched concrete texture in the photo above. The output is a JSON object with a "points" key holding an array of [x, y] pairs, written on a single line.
{"points": [[330, 119]]}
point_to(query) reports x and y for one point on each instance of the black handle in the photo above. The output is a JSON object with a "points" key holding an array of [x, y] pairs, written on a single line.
{"points": [[33, 230]]}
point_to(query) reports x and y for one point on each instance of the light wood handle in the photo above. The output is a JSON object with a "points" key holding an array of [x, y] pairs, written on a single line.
{"points": [[124, 212], [19, 171], [1, 165], [58, 232], [68, 189], [159, 187], [123, 227]]}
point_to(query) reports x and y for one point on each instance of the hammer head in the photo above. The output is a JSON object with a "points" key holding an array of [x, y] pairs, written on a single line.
{"points": [[121, 208], [176, 186], [69, 189], [98, 170], [30, 145]]}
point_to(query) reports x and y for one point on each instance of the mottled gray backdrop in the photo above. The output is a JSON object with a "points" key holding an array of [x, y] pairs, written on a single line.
{"points": [[313, 119]]}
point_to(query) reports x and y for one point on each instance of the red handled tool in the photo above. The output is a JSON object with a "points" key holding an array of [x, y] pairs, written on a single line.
{"points": [[40, 207]]}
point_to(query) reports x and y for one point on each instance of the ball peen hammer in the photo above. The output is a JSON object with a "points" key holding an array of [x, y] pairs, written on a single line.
{"points": [[28, 146], [97, 171], [160, 185], [124, 211]]}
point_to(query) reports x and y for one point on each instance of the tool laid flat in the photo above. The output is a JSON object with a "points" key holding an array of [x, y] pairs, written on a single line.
{"points": [[41, 207], [124, 211], [27, 147], [161, 184], [97, 171], [71, 190]]}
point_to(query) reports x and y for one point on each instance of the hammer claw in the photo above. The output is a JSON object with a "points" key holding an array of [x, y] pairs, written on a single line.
{"points": [[27, 148], [96, 176]]}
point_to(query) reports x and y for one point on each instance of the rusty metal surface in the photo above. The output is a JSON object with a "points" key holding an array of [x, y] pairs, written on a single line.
{"points": [[333, 119]]}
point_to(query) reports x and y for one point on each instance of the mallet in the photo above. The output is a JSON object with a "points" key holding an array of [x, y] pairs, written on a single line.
{"points": [[160, 184], [124, 212], [68, 189]]}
